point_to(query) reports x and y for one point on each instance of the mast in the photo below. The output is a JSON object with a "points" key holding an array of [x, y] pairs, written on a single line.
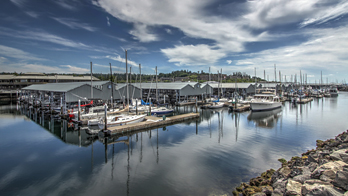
{"points": [[275, 73], [218, 83], [321, 76], [156, 87], [221, 82], [141, 90], [112, 89], [255, 80], [91, 82], [127, 81]]}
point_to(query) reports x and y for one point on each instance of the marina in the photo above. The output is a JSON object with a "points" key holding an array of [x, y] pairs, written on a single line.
{"points": [[214, 148], [196, 98]]}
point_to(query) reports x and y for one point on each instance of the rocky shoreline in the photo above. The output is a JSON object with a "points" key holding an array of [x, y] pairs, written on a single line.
{"points": [[322, 172]]}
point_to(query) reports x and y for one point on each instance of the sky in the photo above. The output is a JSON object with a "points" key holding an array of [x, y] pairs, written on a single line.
{"points": [[64, 36]]}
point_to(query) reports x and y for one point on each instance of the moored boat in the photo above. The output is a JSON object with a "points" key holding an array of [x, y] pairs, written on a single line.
{"points": [[124, 120], [265, 101]]}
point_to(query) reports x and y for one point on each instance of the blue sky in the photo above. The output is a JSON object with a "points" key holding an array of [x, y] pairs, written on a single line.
{"points": [[64, 36]]}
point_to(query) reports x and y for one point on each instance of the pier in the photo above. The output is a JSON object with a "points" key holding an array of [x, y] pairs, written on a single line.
{"points": [[152, 122]]}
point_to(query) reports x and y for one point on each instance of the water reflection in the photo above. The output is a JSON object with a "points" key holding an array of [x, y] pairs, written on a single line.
{"points": [[206, 156], [266, 119]]}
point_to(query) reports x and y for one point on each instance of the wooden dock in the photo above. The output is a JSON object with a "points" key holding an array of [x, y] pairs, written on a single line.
{"points": [[152, 122]]}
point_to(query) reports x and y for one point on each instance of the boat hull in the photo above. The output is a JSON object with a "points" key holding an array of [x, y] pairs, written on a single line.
{"points": [[120, 123], [264, 106]]}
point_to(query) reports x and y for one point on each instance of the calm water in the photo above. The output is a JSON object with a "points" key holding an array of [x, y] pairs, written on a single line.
{"points": [[210, 156]]}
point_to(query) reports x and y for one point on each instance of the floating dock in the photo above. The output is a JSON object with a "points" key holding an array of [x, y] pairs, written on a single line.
{"points": [[152, 122]]}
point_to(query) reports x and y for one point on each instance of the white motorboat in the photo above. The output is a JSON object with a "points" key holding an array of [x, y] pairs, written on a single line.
{"points": [[161, 111], [265, 101], [247, 100], [333, 92], [124, 120], [216, 105]]}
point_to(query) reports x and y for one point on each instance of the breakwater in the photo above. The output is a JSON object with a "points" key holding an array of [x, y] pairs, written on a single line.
{"points": [[321, 171]]}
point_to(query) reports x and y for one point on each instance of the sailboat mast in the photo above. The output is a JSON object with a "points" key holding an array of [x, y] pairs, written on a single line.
{"points": [[127, 81], [156, 87], [112, 89], [141, 90], [91, 83]]}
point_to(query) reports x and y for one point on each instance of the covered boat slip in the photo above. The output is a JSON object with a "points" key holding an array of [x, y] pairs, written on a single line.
{"points": [[75, 91]]}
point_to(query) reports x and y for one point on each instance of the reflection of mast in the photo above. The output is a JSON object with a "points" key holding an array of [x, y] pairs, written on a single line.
{"points": [[92, 156], [106, 149], [210, 126], [236, 124], [141, 146], [128, 175], [131, 143], [196, 127], [222, 124], [219, 127], [112, 163], [157, 148]]}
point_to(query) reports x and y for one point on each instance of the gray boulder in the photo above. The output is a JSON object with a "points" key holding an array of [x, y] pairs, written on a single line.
{"points": [[332, 166], [320, 189], [341, 180], [336, 155], [293, 188]]}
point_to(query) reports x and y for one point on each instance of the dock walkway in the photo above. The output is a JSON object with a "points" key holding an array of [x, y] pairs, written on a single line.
{"points": [[152, 122]]}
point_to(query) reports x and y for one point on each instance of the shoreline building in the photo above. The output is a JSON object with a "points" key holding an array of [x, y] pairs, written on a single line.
{"points": [[16, 82]]}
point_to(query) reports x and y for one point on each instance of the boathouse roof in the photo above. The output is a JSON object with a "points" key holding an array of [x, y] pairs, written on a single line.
{"points": [[165, 85], [62, 87], [231, 85]]}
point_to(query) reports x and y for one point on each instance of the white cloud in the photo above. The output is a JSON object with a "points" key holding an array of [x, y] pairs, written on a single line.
{"points": [[228, 34], [17, 54], [19, 3], [65, 4], [168, 31], [33, 67], [74, 69], [51, 38], [108, 21], [320, 52], [327, 14], [143, 34], [75, 24], [229, 62], [115, 58], [266, 13], [32, 14], [193, 55]]}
